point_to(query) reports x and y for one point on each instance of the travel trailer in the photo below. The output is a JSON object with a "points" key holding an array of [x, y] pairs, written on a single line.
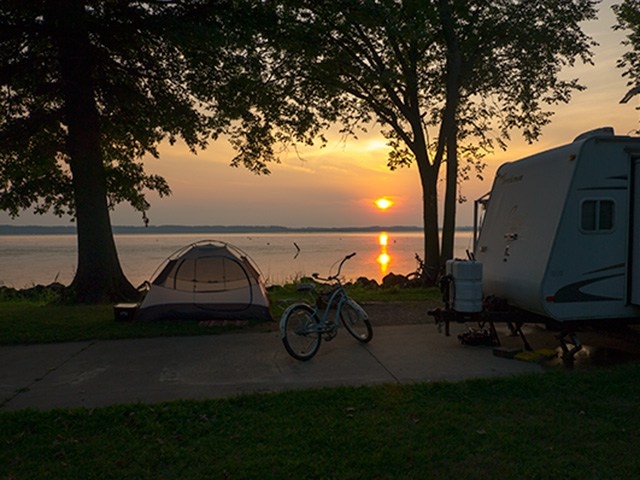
{"points": [[559, 241]]}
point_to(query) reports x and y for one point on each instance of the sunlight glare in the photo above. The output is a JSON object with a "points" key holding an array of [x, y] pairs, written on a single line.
{"points": [[383, 239], [376, 144], [383, 203], [383, 260]]}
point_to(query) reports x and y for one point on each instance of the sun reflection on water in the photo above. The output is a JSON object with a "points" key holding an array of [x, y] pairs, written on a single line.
{"points": [[384, 258]]}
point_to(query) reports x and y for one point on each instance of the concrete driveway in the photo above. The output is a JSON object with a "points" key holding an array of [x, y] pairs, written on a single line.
{"points": [[99, 373]]}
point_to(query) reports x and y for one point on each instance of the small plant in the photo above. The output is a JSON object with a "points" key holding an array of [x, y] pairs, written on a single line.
{"points": [[36, 293]]}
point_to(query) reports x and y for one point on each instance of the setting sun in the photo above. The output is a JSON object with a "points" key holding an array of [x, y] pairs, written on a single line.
{"points": [[383, 203]]}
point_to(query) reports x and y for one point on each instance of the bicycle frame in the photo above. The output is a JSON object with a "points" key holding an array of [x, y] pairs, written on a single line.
{"points": [[325, 325], [312, 319], [339, 291]]}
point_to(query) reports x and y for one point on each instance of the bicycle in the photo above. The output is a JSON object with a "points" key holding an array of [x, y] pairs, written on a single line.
{"points": [[303, 325]]}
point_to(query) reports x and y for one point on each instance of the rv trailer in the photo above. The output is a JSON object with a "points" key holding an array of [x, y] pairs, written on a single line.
{"points": [[559, 241]]}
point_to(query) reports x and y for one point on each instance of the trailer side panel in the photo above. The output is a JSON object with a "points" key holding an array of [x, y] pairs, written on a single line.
{"points": [[586, 278], [520, 224]]}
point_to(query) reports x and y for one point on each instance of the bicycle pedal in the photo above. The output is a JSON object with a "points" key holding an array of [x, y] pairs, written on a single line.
{"points": [[330, 335]]}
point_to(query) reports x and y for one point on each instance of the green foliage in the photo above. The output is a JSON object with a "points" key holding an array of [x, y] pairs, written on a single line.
{"points": [[388, 60], [38, 294], [34, 153], [628, 15], [177, 70], [580, 424]]}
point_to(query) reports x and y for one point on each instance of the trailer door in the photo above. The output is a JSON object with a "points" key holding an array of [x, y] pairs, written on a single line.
{"points": [[634, 247]]}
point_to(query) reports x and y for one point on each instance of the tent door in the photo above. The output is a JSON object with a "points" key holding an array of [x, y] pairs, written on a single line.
{"points": [[634, 245], [222, 284]]}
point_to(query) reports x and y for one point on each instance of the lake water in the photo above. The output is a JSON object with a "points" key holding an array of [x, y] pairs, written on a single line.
{"points": [[28, 260]]}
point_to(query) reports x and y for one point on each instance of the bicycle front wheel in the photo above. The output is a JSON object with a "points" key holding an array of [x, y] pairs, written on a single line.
{"points": [[356, 322], [299, 332]]}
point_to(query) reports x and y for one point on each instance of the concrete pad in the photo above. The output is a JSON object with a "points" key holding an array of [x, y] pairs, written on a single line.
{"points": [[419, 353], [23, 366], [96, 374]]}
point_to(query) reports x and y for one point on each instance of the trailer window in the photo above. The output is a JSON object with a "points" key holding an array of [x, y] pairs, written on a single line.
{"points": [[597, 215]]}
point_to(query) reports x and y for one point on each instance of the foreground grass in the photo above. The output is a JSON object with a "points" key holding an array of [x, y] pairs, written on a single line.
{"points": [[29, 322], [39, 321], [582, 425]]}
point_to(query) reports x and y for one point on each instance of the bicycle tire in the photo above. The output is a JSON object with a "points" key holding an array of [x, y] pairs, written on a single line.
{"points": [[301, 342], [356, 322]]}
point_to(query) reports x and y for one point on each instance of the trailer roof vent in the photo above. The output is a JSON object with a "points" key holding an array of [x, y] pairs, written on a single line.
{"points": [[598, 132]]}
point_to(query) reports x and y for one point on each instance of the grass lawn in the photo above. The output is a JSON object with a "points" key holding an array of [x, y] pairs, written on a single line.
{"points": [[39, 321], [582, 425], [28, 322]]}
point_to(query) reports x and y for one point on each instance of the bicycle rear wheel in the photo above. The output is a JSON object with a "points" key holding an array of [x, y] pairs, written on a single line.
{"points": [[356, 323], [299, 332]]}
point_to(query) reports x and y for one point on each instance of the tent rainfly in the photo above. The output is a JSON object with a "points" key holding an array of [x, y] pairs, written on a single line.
{"points": [[208, 280]]}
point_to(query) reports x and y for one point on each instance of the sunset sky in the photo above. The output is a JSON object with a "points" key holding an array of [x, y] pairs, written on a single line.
{"points": [[336, 186]]}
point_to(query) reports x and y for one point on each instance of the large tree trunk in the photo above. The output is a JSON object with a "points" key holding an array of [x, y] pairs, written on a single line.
{"points": [[99, 277], [450, 197], [429, 180], [450, 129]]}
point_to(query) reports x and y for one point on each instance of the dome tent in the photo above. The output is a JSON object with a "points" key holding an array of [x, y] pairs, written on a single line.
{"points": [[208, 280]]}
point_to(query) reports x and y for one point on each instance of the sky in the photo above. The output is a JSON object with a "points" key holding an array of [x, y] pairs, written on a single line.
{"points": [[336, 186]]}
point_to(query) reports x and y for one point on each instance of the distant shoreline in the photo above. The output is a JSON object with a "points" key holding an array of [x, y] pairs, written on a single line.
{"points": [[186, 229]]}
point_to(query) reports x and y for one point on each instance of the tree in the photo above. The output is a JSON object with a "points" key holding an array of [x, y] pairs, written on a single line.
{"points": [[472, 71], [628, 16], [506, 58], [89, 87]]}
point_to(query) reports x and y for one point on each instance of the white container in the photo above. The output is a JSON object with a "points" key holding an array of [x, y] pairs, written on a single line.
{"points": [[466, 291], [448, 266]]}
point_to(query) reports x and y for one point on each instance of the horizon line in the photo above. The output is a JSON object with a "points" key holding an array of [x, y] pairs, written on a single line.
{"points": [[176, 228]]}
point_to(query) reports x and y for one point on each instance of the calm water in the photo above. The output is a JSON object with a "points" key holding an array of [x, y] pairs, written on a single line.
{"points": [[41, 259]]}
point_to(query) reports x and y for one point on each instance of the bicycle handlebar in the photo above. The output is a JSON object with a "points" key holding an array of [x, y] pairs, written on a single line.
{"points": [[334, 277]]}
